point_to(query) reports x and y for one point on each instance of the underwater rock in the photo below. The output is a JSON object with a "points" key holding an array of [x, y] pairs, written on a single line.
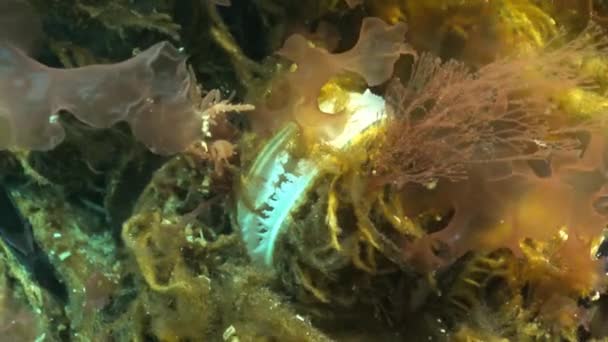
{"points": [[16, 231]]}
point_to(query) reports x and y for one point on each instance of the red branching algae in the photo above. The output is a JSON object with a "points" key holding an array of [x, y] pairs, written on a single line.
{"points": [[496, 153]]}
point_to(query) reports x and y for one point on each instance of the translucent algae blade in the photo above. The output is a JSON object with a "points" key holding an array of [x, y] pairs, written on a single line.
{"points": [[151, 91], [277, 182], [280, 181]]}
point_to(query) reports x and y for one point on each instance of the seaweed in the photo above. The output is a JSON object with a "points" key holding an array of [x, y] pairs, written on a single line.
{"points": [[409, 228]]}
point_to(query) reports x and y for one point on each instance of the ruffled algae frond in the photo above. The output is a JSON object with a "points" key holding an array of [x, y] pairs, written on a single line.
{"points": [[317, 170]]}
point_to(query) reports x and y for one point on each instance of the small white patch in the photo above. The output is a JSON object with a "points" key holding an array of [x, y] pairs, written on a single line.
{"points": [[229, 333], [65, 255]]}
